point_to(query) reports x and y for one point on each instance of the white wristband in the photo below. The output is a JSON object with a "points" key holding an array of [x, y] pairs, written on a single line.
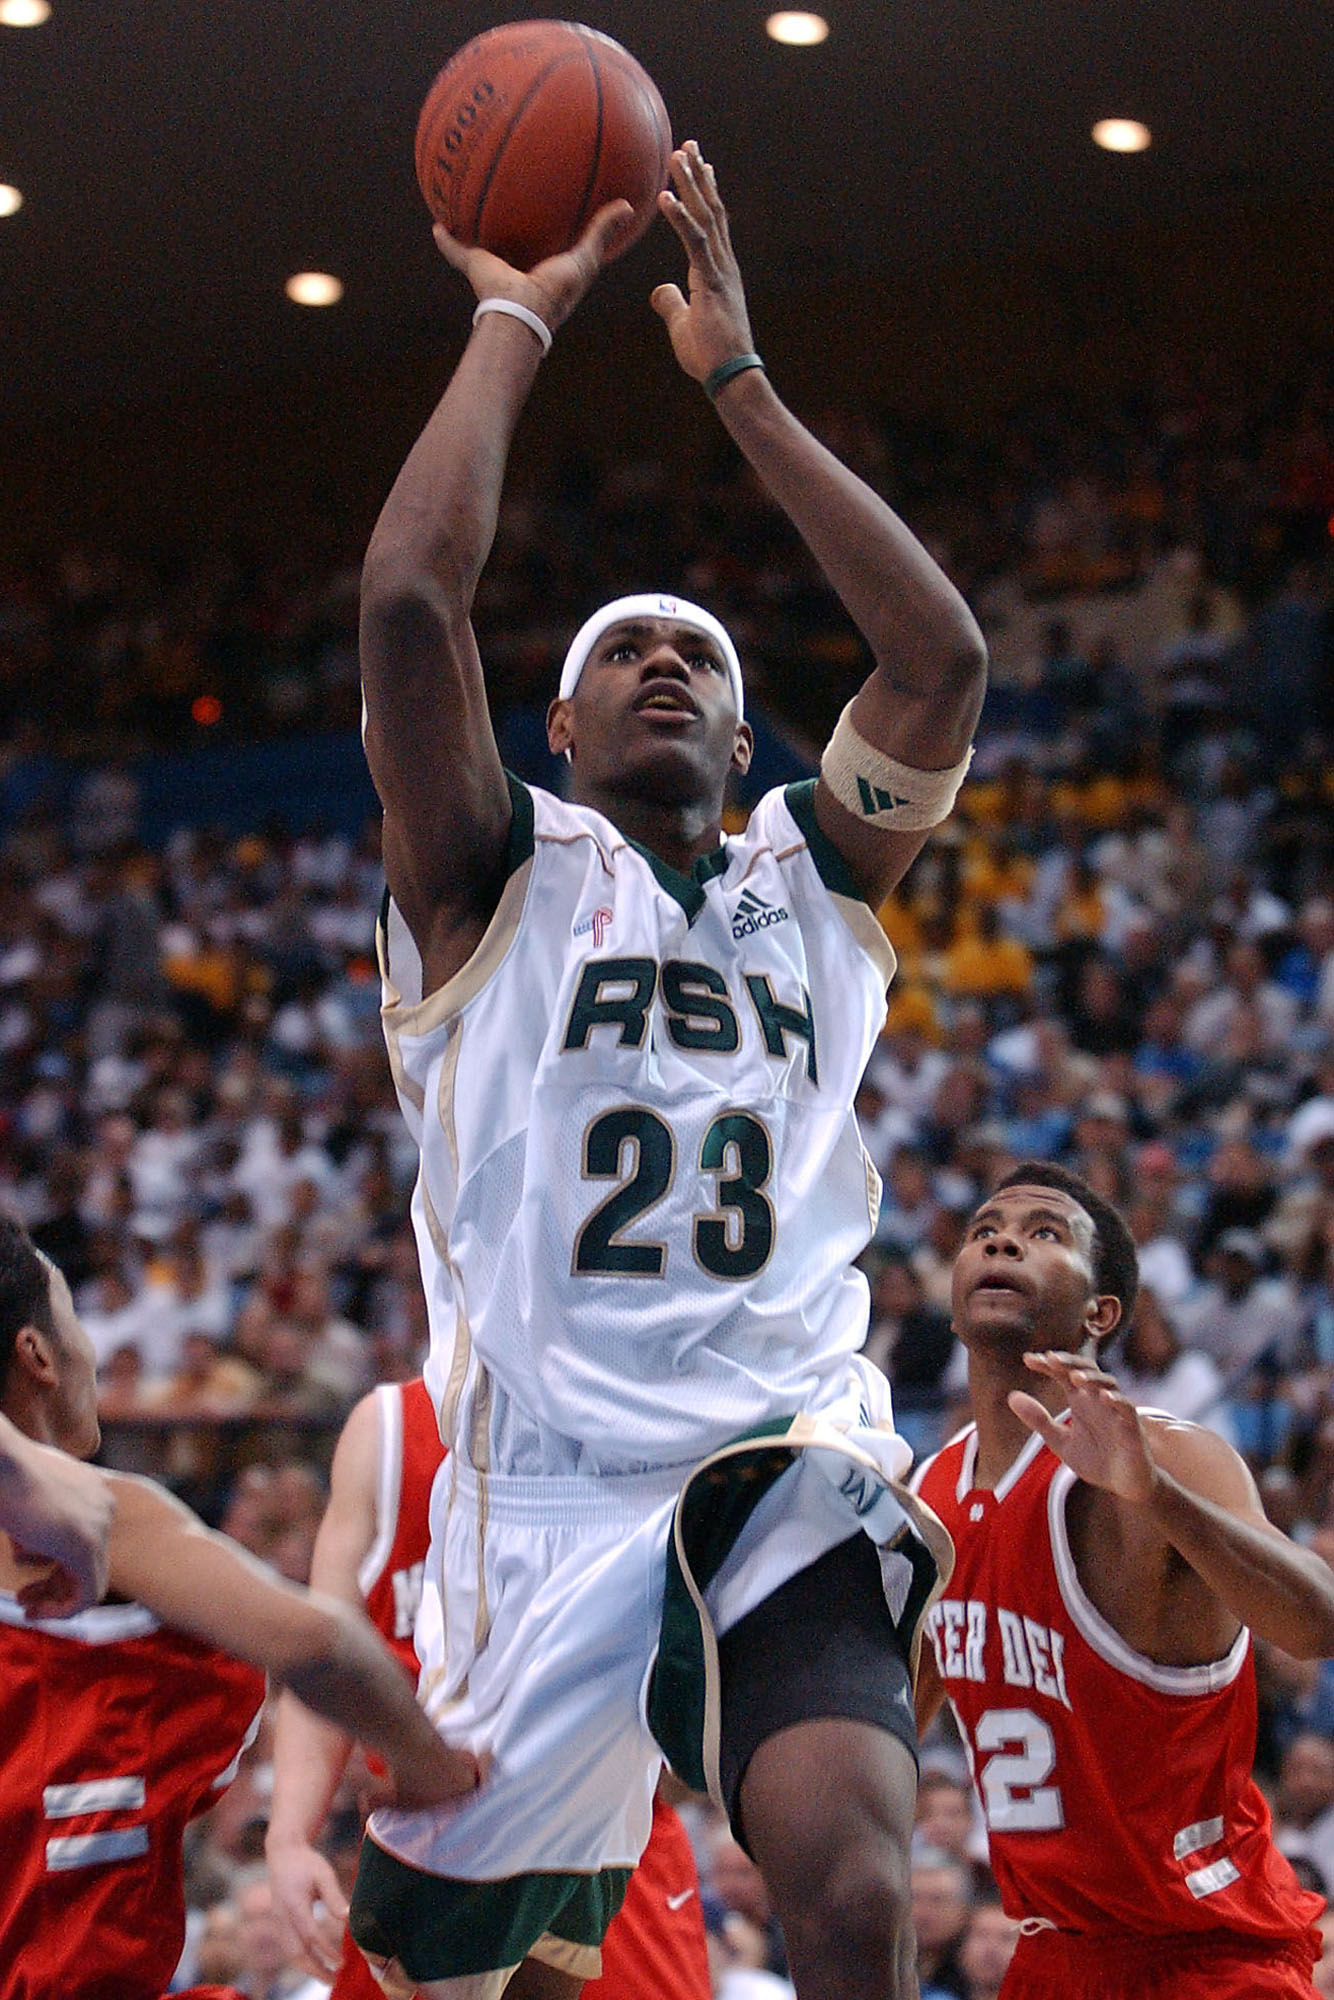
{"points": [[516, 311], [882, 792]]}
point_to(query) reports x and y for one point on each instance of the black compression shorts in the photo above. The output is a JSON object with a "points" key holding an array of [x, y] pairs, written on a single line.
{"points": [[823, 1644]]}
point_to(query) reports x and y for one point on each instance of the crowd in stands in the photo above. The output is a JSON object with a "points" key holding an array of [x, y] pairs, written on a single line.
{"points": [[1060, 498], [1119, 953]]}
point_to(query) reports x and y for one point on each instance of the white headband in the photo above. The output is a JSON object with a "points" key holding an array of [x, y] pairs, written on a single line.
{"points": [[649, 606]]}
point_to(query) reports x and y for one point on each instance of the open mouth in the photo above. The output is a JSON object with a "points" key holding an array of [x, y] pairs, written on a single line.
{"points": [[665, 700], [1003, 1283]]}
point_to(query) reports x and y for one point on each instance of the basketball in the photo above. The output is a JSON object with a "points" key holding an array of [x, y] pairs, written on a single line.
{"points": [[530, 128]]}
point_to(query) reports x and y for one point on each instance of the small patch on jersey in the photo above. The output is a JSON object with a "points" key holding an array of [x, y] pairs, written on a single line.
{"points": [[753, 914], [976, 1511], [599, 924], [679, 1902]]}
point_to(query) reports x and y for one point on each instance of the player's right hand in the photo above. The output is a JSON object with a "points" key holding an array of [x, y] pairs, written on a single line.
{"points": [[553, 288], [311, 1907]]}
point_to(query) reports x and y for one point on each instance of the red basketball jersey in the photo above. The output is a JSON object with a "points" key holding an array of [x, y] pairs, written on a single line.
{"points": [[116, 1732], [1118, 1793], [410, 1453]]}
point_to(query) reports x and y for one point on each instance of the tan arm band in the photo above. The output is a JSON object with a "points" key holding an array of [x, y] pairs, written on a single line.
{"points": [[879, 790]]}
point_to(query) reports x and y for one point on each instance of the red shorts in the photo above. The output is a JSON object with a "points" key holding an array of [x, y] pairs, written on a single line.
{"points": [[1073, 1965], [355, 1980], [655, 1949]]}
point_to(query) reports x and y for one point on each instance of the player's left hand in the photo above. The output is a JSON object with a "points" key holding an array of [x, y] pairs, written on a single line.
{"points": [[1104, 1441], [713, 326], [310, 1905]]}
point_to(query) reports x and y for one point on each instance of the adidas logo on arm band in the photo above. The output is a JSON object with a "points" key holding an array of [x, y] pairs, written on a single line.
{"points": [[882, 792]]}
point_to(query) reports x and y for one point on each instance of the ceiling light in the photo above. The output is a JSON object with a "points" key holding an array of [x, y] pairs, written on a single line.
{"points": [[1121, 135], [24, 13], [798, 31], [314, 288], [11, 201]]}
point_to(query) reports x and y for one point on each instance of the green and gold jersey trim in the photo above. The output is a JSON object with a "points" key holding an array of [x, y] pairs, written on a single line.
{"points": [[833, 870], [522, 840], [687, 890]]}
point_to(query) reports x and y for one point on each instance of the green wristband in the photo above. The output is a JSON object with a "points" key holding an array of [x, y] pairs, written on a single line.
{"points": [[724, 373]]}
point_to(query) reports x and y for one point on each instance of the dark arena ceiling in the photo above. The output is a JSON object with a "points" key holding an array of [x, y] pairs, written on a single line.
{"points": [[179, 159]]}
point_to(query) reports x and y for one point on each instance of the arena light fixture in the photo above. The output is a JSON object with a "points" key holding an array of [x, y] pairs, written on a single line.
{"points": [[1122, 135], [24, 13], [11, 201], [798, 31], [314, 288]]}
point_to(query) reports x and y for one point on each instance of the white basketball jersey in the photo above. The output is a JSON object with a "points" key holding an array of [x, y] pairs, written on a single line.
{"points": [[642, 1185]]}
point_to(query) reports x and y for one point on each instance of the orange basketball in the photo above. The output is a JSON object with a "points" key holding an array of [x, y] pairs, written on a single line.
{"points": [[530, 128]]}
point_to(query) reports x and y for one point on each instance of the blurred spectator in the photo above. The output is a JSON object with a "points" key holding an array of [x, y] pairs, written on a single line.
{"points": [[126, 949], [1314, 1119], [735, 1887], [907, 1068], [933, 1258], [161, 1163], [983, 962], [209, 1382], [942, 1897], [948, 1821], [1246, 984], [907, 1201], [275, 1511], [214, 1956], [1284, 655], [1304, 1801], [1241, 1315], [1164, 1266], [987, 1948], [335, 1350], [1188, 668], [63, 1233], [1100, 1013], [267, 1971], [1158, 1373], [912, 1343]]}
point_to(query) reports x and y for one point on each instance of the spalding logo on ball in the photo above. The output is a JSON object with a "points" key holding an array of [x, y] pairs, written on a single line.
{"points": [[530, 129]]}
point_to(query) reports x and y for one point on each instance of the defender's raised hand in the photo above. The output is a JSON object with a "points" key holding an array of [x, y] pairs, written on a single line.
{"points": [[1103, 1442], [713, 326], [553, 288]]}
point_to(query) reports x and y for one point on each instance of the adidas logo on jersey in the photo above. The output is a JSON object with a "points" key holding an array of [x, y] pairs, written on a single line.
{"points": [[753, 914]]}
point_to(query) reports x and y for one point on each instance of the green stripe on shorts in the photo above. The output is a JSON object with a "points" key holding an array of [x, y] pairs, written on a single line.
{"points": [[714, 1506], [438, 1927]]}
